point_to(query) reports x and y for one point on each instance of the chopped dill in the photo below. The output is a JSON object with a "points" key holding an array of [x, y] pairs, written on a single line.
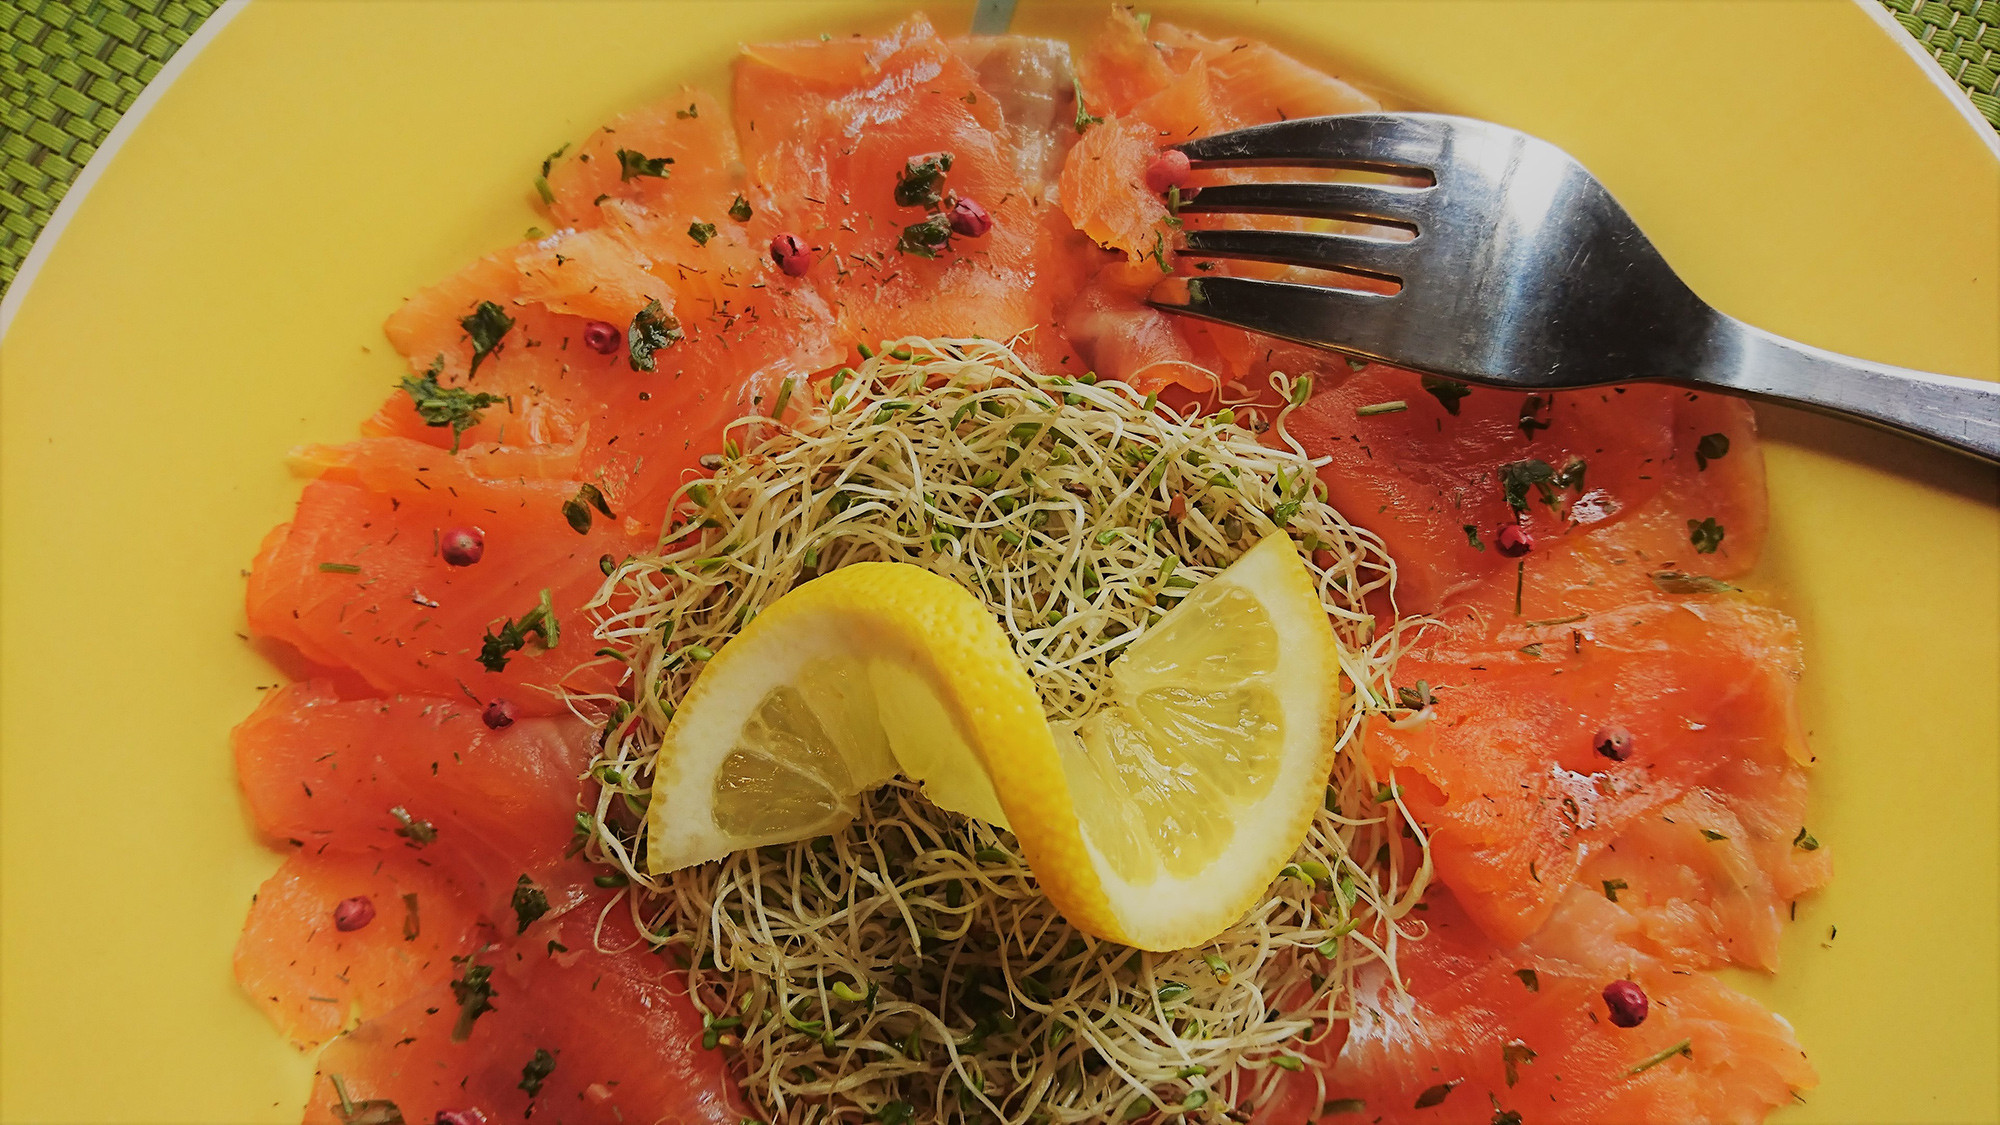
{"points": [[632, 165], [447, 406]]}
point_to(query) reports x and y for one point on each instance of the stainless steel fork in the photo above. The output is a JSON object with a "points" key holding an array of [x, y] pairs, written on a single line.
{"points": [[1524, 272]]}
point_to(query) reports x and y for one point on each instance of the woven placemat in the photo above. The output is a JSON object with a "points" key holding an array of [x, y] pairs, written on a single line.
{"points": [[72, 67]]}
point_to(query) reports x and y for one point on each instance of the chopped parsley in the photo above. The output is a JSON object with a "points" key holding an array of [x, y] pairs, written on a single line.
{"points": [[530, 902], [1529, 979], [1804, 841], [1681, 582], [1535, 415], [701, 232], [1516, 477], [1711, 835], [1512, 1056], [1572, 474], [1711, 447], [632, 165], [690, 112], [537, 1072], [487, 323], [577, 508], [447, 406], [740, 210], [1435, 1095], [917, 184], [923, 237], [473, 989], [419, 833], [652, 329], [513, 635], [1446, 391], [1706, 535], [1612, 887], [1472, 535]]}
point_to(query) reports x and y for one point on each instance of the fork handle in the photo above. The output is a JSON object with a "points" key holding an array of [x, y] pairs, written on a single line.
{"points": [[1960, 414]]}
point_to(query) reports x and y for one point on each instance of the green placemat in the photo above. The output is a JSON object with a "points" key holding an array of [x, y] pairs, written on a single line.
{"points": [[74, 66]]}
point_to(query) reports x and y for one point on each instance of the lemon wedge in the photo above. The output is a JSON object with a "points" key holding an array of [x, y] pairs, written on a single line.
{"points": [[1157, 821]]}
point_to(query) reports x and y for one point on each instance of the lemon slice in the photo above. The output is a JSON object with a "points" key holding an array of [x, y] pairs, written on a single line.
{"points": [[1157, 821]]}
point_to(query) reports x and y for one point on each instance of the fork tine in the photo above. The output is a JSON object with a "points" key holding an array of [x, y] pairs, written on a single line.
{"points": [[1375, 142], [1364, 202], [1300, 313], [1376, 257]]}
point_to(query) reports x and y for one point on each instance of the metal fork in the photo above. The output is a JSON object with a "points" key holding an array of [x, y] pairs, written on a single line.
{"points": [[1524, 273]]}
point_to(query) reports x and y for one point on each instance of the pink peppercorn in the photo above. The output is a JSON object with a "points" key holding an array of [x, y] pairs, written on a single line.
{"points": [[1168, 170], [1627, 1002], [466, 1116], [791, 254], [499, 714], [969, 218], [1614, 743], [1512, 542], [602, 337], [462, 546], [351, 914]]}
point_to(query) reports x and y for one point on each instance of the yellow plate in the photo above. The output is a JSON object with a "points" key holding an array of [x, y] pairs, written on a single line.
{"points": [[218, 297]]}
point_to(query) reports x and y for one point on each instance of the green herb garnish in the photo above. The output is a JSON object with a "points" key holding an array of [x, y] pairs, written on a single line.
{"points": [[1435, 1095], [1684, 1047], [1711, 835], [1805, 842], [577, 508], [412, 925], [338, 568], [740, 210], [1395, 406], [632, 165], [1680, 582], [447, 406], [1472, 536], [917, 184], [1612, 887], [1516, 477], [923, 237], [370, 1111], [513, 635], [1084, 118], [652, 329], [690, 111], [474, 992], [419, 833], [1711, 447], [1534, 415], [530, 902], [1706, 535], [1446, 391], [1529, 979], [537, 1071], [486, 324], [1512, 1056], [701, 232]]}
